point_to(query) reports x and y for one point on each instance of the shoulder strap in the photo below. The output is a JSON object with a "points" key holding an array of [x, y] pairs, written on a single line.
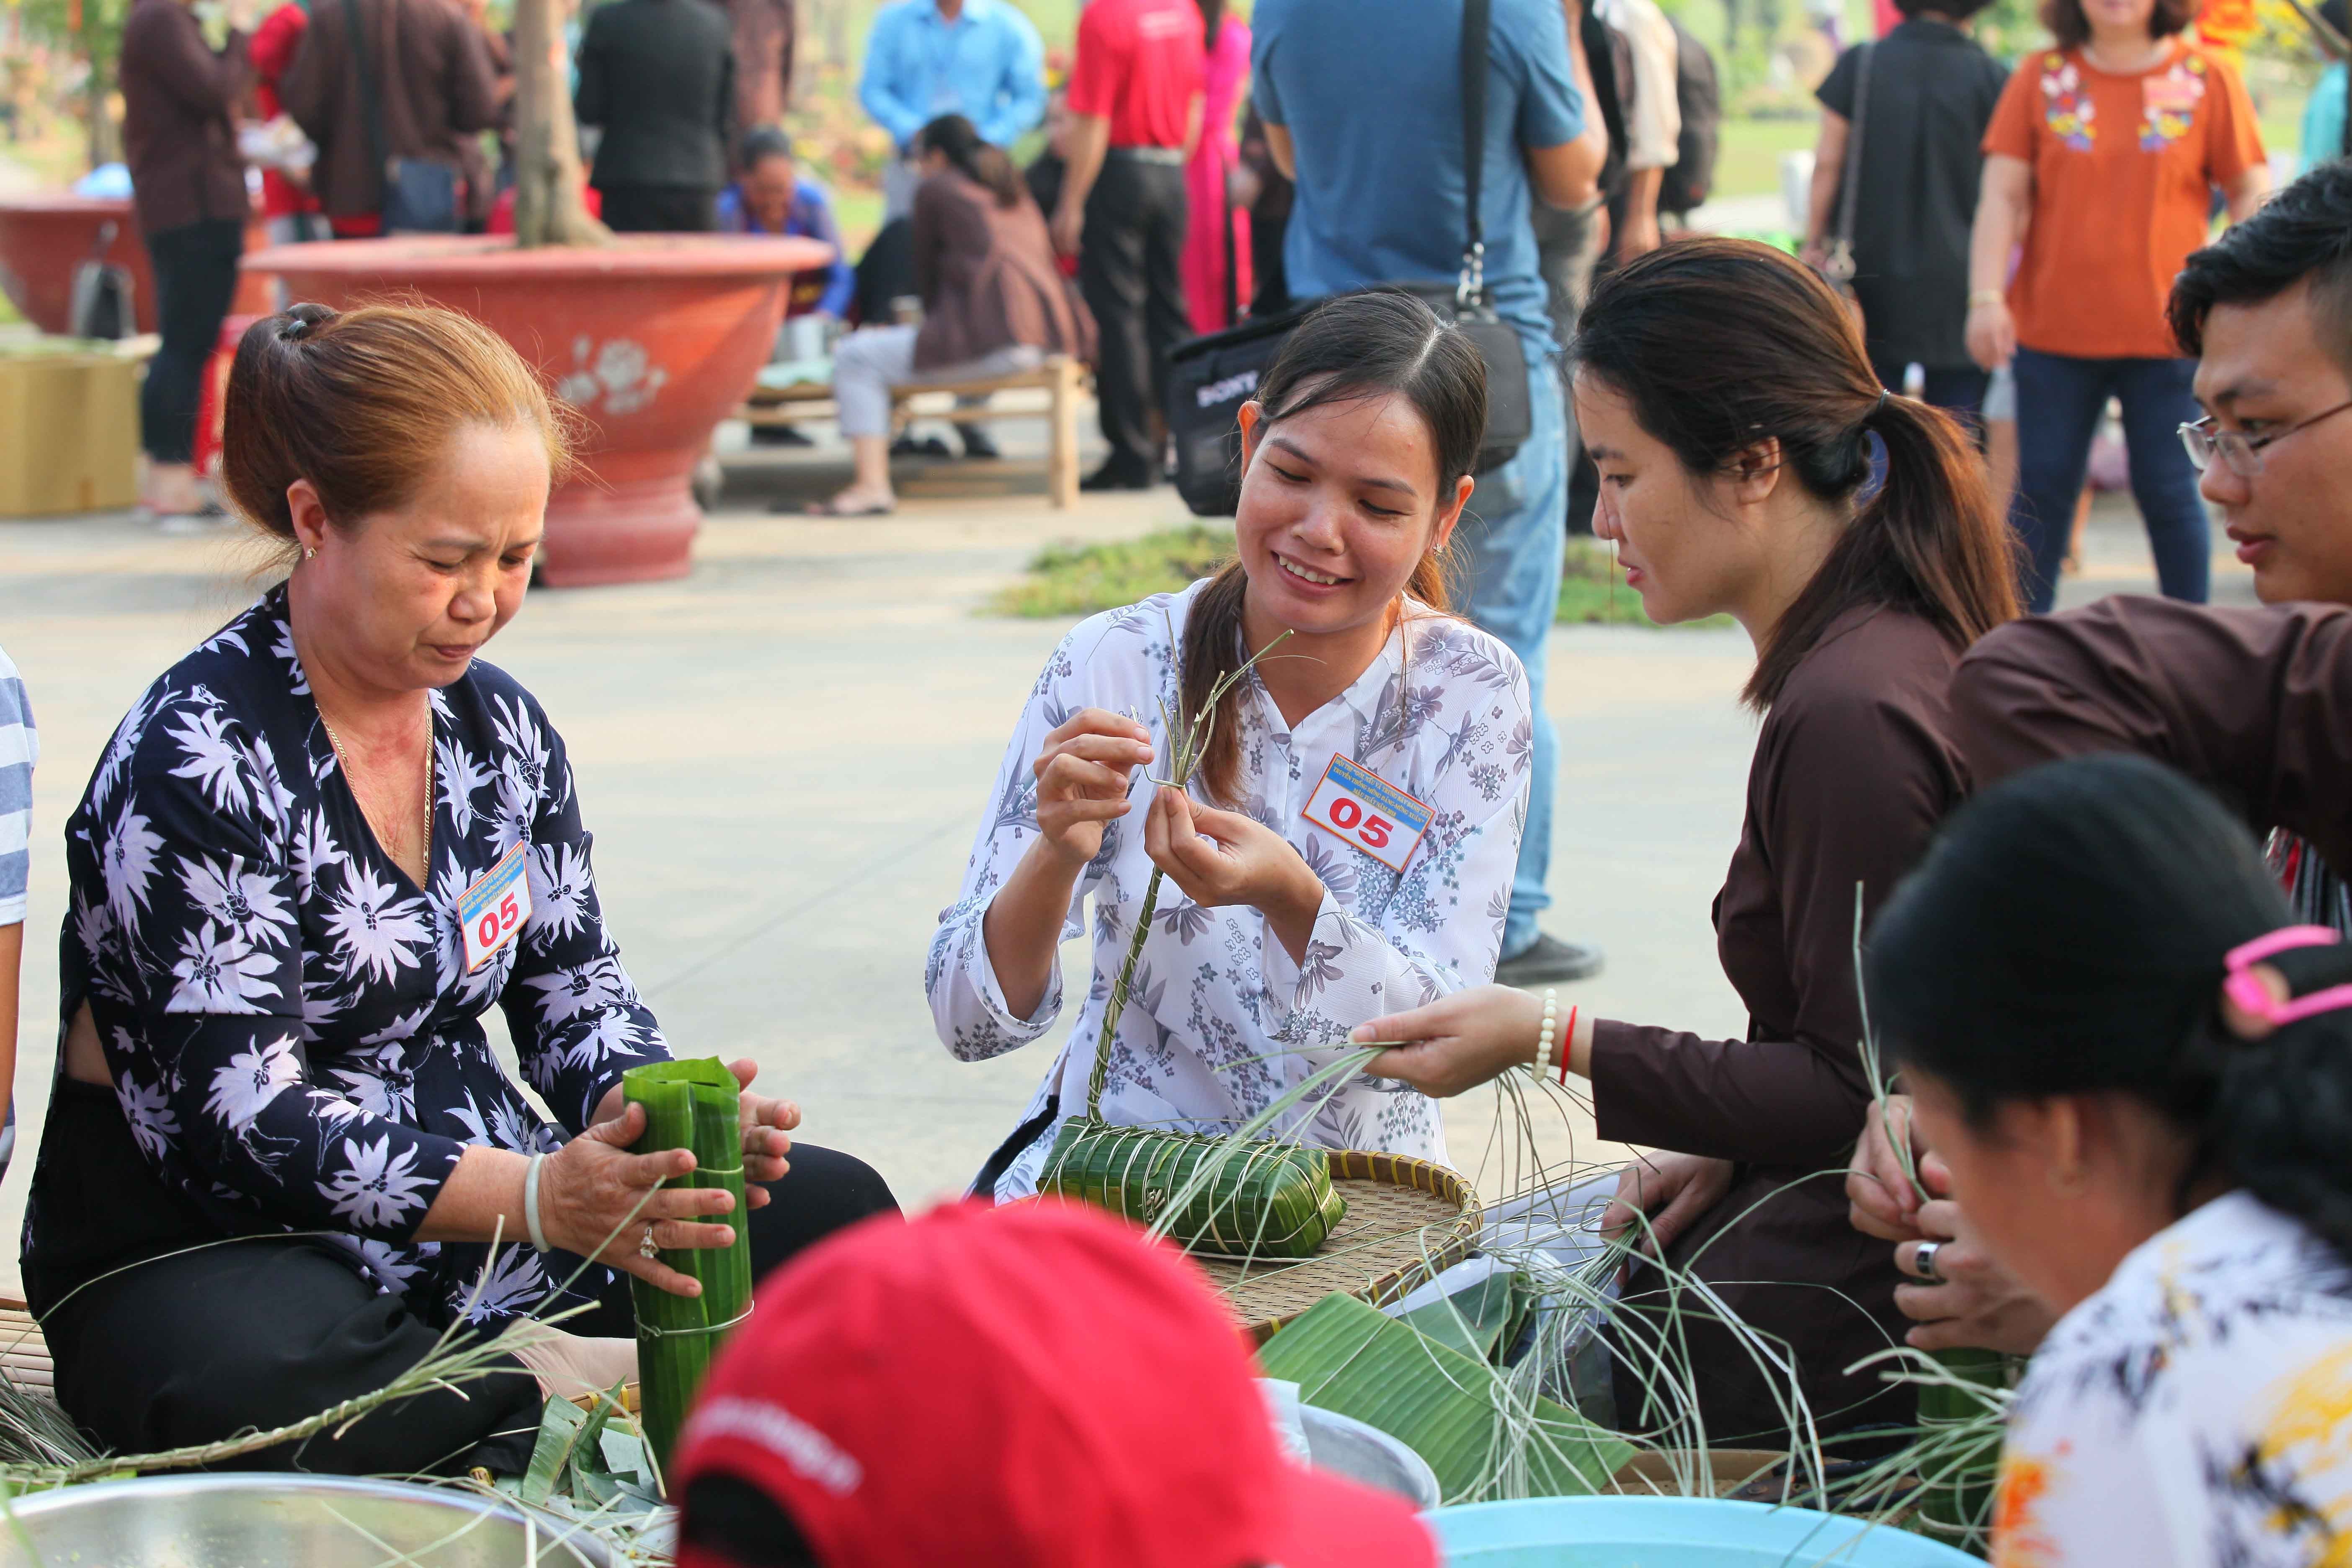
{"points": [[1852, 193], [1475, 14], [371, 109]]}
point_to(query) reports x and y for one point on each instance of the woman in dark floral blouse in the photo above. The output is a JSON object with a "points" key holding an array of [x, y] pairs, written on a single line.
{"points": [[316, 850]]}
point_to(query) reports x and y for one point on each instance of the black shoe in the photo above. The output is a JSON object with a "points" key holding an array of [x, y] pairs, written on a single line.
{"points": [[1112, 475], [977, 442], [777, 436], [929, 446], [1549, 962]]}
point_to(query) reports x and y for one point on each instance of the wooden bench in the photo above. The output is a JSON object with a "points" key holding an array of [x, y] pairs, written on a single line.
{"points": [[1062, 380]]}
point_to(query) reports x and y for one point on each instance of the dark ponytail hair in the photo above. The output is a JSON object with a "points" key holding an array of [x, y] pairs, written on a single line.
{"points": [[954, 138], [2065, 935], [1721, 343], [1371, 345]]}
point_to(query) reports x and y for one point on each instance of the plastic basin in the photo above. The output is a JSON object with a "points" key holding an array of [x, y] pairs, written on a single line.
{"points": [[1673, 1533]]}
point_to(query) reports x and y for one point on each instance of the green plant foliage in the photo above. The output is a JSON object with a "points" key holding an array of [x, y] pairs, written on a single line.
{"points": [[694, 1105], [1068, 581], [1483, 1440], [1269, 1200]]}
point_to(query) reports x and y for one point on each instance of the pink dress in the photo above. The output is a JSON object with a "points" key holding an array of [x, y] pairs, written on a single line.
{"points": [[1225, 77]]}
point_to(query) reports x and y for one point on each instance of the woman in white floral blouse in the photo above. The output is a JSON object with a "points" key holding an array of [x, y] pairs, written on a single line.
{"points": [[318, 849], [1288, 916], [2140, 1075]]}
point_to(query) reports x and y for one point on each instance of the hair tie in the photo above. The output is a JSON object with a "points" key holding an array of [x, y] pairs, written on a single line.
{"points": [[293, 331], [2249, 993], [1876, 408]]}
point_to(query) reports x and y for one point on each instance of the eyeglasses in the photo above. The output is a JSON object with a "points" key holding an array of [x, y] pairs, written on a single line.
{"points": [[2242, 453]]}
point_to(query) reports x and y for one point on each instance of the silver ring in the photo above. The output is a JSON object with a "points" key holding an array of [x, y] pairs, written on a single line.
{"points": [[645, 1247], [1923, 1262]]}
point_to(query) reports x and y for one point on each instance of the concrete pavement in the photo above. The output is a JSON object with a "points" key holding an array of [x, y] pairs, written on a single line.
{"points": [[784, 758]]}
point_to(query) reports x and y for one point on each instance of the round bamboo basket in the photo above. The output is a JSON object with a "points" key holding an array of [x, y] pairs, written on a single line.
{"points": [[1407, 1220]]}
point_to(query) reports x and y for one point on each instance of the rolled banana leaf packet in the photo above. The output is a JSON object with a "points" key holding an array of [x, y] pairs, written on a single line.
{"points": [[1265, 1199], [689, 1105]]}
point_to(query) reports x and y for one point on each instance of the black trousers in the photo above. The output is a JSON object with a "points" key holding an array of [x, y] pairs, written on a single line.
{"points": [[1127, 271], [195, 278], [262, 1334], [660, 209]]}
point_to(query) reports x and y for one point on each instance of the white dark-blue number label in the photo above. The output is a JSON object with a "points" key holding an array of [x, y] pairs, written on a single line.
{"points": [[495, 908], [1368, 813]]}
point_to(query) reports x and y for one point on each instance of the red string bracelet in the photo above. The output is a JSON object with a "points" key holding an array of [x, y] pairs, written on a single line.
{"points": [[1565, 1046]]}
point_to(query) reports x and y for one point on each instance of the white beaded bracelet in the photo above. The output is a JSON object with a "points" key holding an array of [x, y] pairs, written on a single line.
{"points": [[1544, 1038], [531, 1202]]}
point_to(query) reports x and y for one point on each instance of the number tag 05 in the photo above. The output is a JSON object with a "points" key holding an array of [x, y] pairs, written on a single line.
{"points": [[1368, 813], [494, 909]]}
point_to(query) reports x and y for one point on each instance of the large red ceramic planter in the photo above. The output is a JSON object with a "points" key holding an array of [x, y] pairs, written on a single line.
{"points": [[44, 237], [654, 340]]}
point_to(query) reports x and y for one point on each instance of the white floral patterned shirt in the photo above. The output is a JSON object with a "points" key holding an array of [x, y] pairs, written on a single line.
{"points": [[1221, 1022], [292, 1032], [2197, 1410]]}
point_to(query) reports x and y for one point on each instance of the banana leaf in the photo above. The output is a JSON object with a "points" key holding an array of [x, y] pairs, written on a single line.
{"points": [[1263, 1200], [1955, 1504], [689, 1105], [1447, 1407]]}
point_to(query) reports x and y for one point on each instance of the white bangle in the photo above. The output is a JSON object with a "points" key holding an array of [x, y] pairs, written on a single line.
{"points": [[531, 1202], [1544, 1037]]}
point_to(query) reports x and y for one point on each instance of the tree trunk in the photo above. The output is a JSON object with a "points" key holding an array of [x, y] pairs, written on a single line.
{"points": [[105, 136], [548, 206]]}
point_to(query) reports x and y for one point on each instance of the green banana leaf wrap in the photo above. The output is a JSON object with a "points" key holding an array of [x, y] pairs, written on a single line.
{"points": [[1955, 1504], [689, 1105], [1269, 1200]]}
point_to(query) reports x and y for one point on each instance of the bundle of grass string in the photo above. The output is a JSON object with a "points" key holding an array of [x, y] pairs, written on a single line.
{"points": [[1269, 1199], [689, 1105]]}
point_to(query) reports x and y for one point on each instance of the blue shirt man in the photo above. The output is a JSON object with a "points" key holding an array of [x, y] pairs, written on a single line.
{"points": [[1382, 198], [1381, 193], [979, 58]]}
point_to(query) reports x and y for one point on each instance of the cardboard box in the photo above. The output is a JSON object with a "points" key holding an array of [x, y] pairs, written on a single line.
{"points": [[69, 430]]}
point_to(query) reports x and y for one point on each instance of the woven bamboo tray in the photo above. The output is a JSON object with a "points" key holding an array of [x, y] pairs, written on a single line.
{"points": [[1406, 1221], [24, 1354]]}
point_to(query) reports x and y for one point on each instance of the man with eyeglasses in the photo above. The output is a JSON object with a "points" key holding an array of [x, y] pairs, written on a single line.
{"points": [[2254, 704]]}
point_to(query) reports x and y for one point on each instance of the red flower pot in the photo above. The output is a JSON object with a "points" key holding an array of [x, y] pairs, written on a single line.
{"points": [[654, 340], [44, 237]]}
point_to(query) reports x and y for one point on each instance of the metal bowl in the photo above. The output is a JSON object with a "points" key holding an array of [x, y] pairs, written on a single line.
{"points": [[1350, 1447], [268, 1520]]}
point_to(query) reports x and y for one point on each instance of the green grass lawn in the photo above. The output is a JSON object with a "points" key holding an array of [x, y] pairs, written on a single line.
{"points": [[1068, 581]]}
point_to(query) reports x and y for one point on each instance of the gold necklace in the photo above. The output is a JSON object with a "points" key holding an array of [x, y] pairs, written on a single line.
{"points": [[432, 779]]}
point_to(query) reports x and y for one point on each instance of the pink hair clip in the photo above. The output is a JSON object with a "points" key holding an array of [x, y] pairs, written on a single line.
{"points": [[2246, 989]]}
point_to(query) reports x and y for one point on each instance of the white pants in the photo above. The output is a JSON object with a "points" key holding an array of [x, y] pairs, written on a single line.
{"points": [[871, 361]]}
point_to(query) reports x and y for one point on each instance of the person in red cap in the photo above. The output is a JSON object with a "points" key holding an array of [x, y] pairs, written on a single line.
{"points": [[1032, 1386]]}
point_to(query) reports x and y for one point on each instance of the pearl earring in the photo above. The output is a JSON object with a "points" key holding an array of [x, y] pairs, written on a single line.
{"points": [[309, 553]]}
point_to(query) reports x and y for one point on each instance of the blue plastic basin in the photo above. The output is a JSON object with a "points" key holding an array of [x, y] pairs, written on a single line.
{"points": [[1673, 1533]]}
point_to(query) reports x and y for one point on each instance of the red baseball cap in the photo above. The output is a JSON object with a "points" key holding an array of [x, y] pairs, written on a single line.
{"points": [[1030, 1386]]}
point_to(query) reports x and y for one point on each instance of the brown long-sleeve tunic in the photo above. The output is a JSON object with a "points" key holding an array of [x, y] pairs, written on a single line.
{"points": [[1853, 768], [2255, 704]]}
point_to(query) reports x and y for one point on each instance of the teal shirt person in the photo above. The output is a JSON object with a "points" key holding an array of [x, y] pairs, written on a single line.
{"points": [[2322, 120]]}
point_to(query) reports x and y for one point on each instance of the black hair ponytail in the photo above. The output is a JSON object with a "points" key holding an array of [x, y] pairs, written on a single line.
{"points": [[954, 138], [2066, 934], [1719, 344]]}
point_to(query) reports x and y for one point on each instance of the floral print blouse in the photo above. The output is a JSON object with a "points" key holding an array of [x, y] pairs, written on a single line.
{"points": [[2196, 1410], [1221, 1022], [288, 1019]]}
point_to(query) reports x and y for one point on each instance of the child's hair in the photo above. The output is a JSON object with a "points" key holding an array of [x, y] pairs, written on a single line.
{"points": [[2066, 935]]}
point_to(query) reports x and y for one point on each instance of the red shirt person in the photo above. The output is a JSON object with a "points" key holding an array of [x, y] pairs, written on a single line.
{"points": [[1135, 108], [271, 51]]}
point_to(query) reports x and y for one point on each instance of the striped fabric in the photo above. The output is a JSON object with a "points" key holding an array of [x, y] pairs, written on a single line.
{"points": [[20, 748], [2318, 895]]}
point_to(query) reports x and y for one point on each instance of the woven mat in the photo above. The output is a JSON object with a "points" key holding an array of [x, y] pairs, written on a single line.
{"points": [[24, 1354], [1406, 1219]]}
